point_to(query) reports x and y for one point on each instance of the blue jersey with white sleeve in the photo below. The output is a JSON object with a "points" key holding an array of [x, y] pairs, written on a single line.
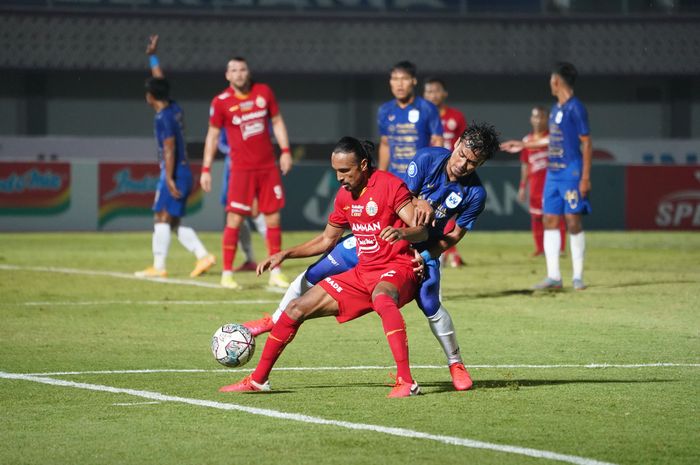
{"points": [[567, 122], [427, 179], [407, 130]]}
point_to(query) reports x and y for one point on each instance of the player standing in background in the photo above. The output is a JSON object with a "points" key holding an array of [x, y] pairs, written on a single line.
{"points": [[533, 172], [406, 123], [568, 180], [175, 183], [453, 125], [244, 110], [244, 237], [447, 181], [375, 206]]}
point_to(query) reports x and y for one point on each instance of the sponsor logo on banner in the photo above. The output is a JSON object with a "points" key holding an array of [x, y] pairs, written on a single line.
{"points": [[129, 189], [663, 197], [34, 188]]}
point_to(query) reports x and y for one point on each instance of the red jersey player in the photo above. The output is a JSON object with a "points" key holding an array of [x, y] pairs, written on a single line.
{"points": [[533, 171], [453, 125], [244, 110], [375, 205]]}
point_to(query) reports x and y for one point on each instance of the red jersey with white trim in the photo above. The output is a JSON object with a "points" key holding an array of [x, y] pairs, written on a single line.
{"points": [[453, 125], [369, 214], [536, 160], [246, 118]]}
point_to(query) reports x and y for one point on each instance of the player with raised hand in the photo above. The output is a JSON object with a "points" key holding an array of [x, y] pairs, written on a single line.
{"points": [[175, 183], [245, 110], [568, 180], [447, 181], [376, 206]]}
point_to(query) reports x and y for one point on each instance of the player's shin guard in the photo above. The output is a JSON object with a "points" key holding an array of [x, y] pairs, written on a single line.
{"points": [[282, 334], [552, 243], [298, 287], [274, 240], [395, 330], [229, 244], [578, 249], [442, 327], [161, 243]]}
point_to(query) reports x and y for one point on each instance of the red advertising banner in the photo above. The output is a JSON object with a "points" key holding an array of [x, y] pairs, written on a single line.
{"points": [[662, 197], [128, 189], [34, 188]]}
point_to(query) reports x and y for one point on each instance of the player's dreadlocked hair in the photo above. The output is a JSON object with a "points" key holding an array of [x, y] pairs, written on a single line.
{"points": [[363, 150], [482, 139]]}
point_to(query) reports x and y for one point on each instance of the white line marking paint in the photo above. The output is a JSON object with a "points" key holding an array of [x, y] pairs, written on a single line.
{"points": [[112, 274], [150, 302], [417, 367], [400, 432], [128, 404]]}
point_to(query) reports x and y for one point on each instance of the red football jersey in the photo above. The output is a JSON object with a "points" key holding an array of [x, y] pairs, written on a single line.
{"points": [[453, 125], [536, 159], [246, 118], [369, 214]]}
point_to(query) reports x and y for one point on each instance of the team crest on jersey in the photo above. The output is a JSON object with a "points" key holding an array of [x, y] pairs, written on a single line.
{"points": [[391, 117], [572, 198], [451, 124], [412, 170], [453, 200], [559, 116], [413, 116], [372, 208], [260, 101]]}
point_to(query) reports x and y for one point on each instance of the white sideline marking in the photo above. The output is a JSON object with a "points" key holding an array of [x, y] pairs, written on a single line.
{"points": [[152, 302], [420, 367], [126, 404], [112, 274], [400, 432]]}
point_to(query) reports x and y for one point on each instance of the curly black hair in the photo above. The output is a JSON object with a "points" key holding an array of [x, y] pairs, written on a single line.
{"points": [[482, 138]]}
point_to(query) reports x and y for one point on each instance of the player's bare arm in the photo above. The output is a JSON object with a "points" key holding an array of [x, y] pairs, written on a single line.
{"points": [[210, 144], [169, 157], [383, 154], [423, 213], [438, 247], [410, 233], [587, 152], [316, 246], [151, 50], [515, 146], [280, 130]]}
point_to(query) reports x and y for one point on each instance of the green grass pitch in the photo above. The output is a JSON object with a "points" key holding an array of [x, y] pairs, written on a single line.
{"points": [[642, 307]]}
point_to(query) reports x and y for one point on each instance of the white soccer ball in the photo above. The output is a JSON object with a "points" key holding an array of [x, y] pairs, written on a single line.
{"points": [[233, 345]]}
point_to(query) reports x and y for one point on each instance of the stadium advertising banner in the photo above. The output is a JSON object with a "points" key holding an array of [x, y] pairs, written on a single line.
{"points": [[663, 197], [34, 188], [128, 189]]}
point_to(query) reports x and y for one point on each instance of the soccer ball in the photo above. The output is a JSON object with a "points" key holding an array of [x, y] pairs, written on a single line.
{"points": [[233, 345]]}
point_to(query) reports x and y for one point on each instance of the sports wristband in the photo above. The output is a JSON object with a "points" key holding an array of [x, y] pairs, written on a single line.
{"points": [[426, 256], [206, 169], [153, 60], [286, 150]]}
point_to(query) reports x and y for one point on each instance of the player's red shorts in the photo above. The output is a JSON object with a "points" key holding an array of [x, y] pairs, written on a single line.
{"points": [[353, 288], [536, 182], [245, 186]]}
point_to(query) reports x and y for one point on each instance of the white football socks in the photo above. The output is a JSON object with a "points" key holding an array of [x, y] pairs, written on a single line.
{"points": [[189, 240], [578, 249], [442, 327], [552, 244], [246, 242], [260, 225], [161, 242], [298, 287]]}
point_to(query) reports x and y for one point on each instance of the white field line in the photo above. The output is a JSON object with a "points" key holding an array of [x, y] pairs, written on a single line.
{"points": [[112, 274], [369, 367], [150, 302], [400, 432], [128, 404]]}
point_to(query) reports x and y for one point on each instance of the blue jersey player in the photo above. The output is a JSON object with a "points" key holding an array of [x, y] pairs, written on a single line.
{"points": [[568, 180], [406, 123], [175, 183], [447, 182]]}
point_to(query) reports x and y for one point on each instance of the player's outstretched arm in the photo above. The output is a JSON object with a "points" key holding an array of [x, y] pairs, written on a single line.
{"points": [[316, 246], [151, 49]]}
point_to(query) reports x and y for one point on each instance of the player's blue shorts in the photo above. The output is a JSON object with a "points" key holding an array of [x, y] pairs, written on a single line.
{"points": [[344, 257], [563, 197], [165, 201]]}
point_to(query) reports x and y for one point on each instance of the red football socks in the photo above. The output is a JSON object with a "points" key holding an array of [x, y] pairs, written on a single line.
{"points": [[395, 330], [562, 230], [229, 243], [537, 233], [282, 334], [274, 240]]}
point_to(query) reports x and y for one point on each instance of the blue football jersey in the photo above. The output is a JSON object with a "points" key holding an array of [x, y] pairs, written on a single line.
{"points": [[426, 177], [169, 122], [407, 129], [566, 123]]}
